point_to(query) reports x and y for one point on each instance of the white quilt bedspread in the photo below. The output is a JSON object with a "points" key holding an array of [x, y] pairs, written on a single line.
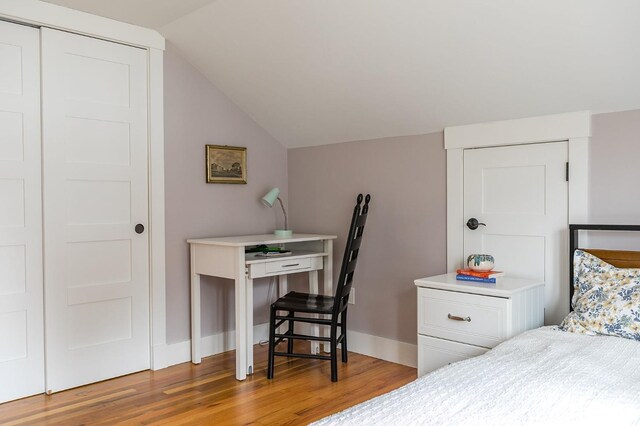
{"points": [[543, 376]]}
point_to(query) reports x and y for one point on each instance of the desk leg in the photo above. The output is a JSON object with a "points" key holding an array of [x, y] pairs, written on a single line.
{"points": [[241, 316], [196, 356], [328, 281], [315, 329], [283, 285], [249, 283]]}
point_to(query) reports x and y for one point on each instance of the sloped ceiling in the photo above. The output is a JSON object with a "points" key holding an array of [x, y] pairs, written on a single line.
{"points": [[323, 71]]}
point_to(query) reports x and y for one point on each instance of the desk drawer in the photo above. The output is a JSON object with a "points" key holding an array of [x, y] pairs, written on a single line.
{"points": [[285, 266], [461, 317]]}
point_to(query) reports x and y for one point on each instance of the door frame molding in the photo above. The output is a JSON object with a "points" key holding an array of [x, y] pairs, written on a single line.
{"points": [[574, 127], [41, 14]]}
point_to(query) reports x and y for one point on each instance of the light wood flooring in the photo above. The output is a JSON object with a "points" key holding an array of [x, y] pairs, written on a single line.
{"points": [[209, 394]]}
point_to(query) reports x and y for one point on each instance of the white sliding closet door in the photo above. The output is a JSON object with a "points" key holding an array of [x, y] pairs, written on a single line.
{"points": [[21, 336], [94, 104]]}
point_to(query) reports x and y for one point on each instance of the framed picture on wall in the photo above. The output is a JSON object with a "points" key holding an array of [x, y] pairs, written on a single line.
{"points": [[226, 164]]}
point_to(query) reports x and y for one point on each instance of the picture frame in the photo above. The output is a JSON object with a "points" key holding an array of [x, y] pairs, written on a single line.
{"points": [[226, 164]]}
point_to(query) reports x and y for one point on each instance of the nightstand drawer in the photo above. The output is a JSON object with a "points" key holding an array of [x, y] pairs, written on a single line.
{"points": [[461, 317], [435, 353]]}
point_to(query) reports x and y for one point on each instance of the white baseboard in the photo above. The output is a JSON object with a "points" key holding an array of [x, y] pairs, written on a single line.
{"points": [[365, 344], [177, 353], [383, 348], [379, 347], [159, 357]]}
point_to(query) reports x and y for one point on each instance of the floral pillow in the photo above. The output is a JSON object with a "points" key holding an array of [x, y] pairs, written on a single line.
{"points": [[606, 299]]}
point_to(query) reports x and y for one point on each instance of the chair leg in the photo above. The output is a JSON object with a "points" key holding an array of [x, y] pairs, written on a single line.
{"points": [[343, 330], [272, 341], [290, 331], [334, 352]]}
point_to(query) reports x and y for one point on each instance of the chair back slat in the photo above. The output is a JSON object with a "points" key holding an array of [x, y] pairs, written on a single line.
{"points": [[350, 258], [361, 220], [355, 245], [352, 266]]}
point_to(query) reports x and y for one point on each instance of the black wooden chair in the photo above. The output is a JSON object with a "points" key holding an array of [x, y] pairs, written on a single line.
{"points": [[308, 304]]}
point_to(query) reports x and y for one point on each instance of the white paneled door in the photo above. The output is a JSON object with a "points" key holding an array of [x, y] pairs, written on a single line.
{"points": [[521, 194], [21, 330], [94, 107]]}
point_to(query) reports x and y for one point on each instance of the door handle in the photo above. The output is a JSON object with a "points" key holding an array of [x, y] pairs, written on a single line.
{"points": [[139, 228], [473, 224]]}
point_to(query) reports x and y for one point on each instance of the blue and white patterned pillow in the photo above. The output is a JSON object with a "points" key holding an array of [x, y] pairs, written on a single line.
{"points": [[606, 299]]}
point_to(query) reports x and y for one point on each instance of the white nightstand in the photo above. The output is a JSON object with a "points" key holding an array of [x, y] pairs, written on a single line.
{"points": [[459, 319]]}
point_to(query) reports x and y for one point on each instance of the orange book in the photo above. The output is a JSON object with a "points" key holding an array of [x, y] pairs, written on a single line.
{"points": [[479, 274]]}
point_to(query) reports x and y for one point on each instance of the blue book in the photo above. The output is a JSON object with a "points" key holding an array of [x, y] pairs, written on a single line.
{"points": [[461, 277]]}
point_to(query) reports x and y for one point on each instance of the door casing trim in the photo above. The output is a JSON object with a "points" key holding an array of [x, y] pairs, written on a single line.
{"points": [[574, 127]]}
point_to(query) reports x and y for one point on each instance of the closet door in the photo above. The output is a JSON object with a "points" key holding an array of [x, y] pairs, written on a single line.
{"points": [[21, 337], [94, 107]]}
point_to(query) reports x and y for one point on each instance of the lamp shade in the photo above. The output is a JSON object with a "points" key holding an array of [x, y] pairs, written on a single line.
{"points": [[271, 197]]}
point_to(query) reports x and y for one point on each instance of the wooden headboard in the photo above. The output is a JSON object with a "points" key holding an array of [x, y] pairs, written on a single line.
{"points": [[618, 258]]}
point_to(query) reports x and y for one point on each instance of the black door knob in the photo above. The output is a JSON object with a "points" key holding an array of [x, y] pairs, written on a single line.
{"points": [[139, 228], [473, 224]]}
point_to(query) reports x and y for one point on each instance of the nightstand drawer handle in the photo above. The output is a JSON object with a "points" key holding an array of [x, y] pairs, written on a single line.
{"points": [[290, 265], [457, 318]]}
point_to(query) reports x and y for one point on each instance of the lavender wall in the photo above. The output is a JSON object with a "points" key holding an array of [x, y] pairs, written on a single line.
{"points": [[405, 236], [615, 167], [614, 178], [196, 113]]}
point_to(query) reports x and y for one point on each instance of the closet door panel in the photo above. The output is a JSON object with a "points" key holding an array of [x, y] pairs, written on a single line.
{"points": [[21, 311], [95, 192]]}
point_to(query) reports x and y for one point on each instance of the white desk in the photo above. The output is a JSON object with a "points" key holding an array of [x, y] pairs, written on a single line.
{"points": [[226, 258]]}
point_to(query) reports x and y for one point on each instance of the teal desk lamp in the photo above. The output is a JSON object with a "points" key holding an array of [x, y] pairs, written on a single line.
{"points": [[268, 200]]}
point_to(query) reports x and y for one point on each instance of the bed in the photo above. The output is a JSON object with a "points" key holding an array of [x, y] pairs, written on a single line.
{"points": [[543, 376]]}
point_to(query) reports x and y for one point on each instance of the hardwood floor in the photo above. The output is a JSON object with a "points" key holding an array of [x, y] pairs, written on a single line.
{"points": [[208, 394]]}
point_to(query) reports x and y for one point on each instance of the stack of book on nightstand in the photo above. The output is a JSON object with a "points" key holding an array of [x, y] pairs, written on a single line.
{"points": [[477, 276]]}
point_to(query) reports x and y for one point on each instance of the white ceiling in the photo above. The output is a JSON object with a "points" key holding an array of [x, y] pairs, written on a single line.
{"points": [[313, 72]]}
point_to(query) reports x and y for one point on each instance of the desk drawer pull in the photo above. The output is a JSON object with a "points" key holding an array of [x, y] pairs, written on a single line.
{"points": [[457, 318], [290, 265]]}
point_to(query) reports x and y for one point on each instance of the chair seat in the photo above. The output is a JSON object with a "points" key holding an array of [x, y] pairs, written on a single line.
{"points": [[305, 302]]}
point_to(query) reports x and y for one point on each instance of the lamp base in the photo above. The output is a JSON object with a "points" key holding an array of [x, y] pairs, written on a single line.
{"points": [[283, 232]]}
